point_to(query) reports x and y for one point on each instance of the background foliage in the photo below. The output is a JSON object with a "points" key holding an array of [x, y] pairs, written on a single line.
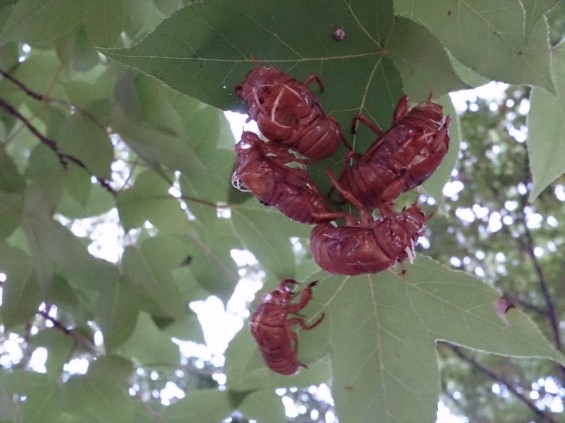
{"points": [[117, 213]]}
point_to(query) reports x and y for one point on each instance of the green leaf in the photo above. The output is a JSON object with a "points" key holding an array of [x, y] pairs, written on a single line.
{"points": [[394, 326], [422, 61], [546, 129], [535, 11], [116, 313], [10, 178], [203, 405], [104, 20], [488, 37], [101, 395], [40, 20], [59, 347], [149, 200], [20, 293], [263, 406], [10, 213], [75, 51], [148, 270], [75, 206], [86, 141], [44, 398], [70, 257], [149, 346], [205, 41], [187, 329], [211, 263], [7, 407], [137, 128], [266, 233], [43, 403]]}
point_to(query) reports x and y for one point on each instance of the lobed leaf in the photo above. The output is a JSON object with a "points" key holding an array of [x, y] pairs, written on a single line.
{"points": [[488, 37], [394, 323], [201, 50], [421, 60]]}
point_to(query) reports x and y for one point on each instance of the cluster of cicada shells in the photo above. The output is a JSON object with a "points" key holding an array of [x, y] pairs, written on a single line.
{"points": [[295, 132], [295, 129]]}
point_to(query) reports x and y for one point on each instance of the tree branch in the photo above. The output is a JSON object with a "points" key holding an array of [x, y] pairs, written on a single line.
{"points": [[64, 159], [499, 379]]}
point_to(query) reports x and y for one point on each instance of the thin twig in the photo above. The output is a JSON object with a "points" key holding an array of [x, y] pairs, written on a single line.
{"points": [[499, 379], [41, 97], [551, 312], [79, 339]]}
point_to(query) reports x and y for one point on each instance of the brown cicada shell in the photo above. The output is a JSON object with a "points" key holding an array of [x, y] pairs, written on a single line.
{"points": [[273, 329], [287, 112]]}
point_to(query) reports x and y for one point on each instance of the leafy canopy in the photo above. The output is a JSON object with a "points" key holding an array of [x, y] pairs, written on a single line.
{"points": [[114, 118]]}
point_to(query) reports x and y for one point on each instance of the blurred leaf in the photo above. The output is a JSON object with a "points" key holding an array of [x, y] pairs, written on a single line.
{"points": [[174, 149], [43, 403], [75, 51], [7, 407], [488, 38], [546, 129], [70, 257], [10, 179], [211, 263], [10, 213], [187, 329], [149, 200], [204, 405], [266, 233], [97, 201], [59, 347], [422, 61], [44, 399], [148, 269], [116, 313], [104, 20], [263, 406], [20, 293], [101, 395], [394, 326], [40, 20], [149, 346], [84, 140]]}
